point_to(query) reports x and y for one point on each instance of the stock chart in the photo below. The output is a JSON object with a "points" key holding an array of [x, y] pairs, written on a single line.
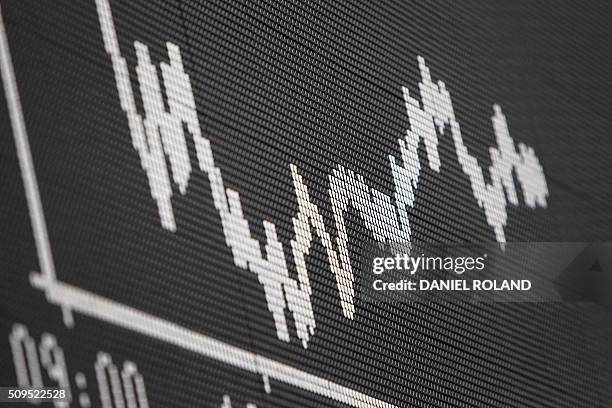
{"points": [[189, 191]]}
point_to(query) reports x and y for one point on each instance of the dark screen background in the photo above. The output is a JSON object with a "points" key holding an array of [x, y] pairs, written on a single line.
{"points": [[314, 84]]}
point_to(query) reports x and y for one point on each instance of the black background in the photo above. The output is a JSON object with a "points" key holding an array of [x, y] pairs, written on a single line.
{"points": [[316, 85]]}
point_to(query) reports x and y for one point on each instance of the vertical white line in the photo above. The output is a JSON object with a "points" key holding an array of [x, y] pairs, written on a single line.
{"points": [[16, 340], [24, 155], [100, 368]]}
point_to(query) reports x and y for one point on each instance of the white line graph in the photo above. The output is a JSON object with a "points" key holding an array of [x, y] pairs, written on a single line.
{"points": [[71, 298], [160, 133]]}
